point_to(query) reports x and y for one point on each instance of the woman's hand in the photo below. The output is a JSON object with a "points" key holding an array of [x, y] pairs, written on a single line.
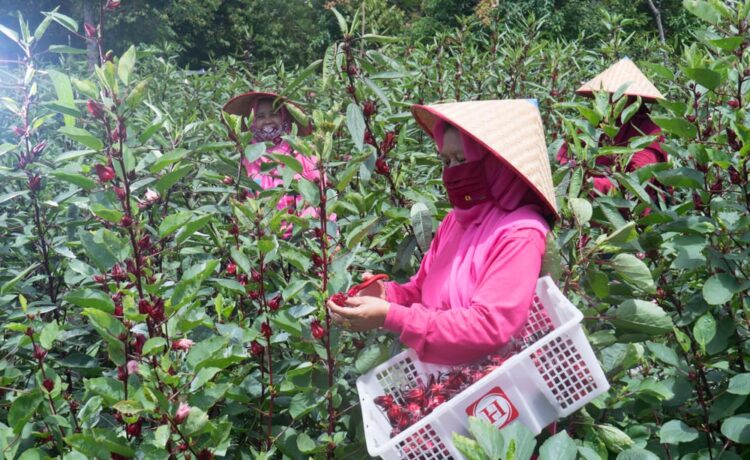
{"points": [[360, 313], [376, 289]]}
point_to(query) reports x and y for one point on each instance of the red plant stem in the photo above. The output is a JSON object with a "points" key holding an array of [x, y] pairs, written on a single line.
{"points": [[264, 309], [323, 215]]}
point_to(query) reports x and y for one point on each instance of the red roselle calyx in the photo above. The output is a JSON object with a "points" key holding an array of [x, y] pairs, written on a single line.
{"points": [[126, 221], [381, 167], [370, 139], [231, 268], [48, 385], [105, 173], [369, 108], [256, 348], [388, 142], [120, 193], [134, 429], [39, 352], [339, 299], [228, 180], [265, 329], [317, 329], [35, 183], [274, 303], [90, 30], [95, 108]]}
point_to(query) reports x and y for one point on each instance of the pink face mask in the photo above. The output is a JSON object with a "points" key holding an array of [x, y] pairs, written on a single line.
{"points": [[466, 184]]}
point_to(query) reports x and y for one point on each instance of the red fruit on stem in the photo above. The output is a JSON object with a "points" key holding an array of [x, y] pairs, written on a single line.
{"points": [[29, 331], [257, 277], [370, 139], [388, 142], [317, 329], [112, 5], [691, 118], [95, 108], [157, 310], [39, 352], [234, 230], [317, 260], [734, 103], [18, 131], [274, 303], [228, 180], [105, 173], [554, 93], [144, 307], [205, 454], [381, 167], [265, 330], [254, 295], [126, 221], [231, 268], [90, 30], [136, 345], [256, 348], [48, 385], [120, 193], [734, 176], [369, 108], [134, 429], [35, 183], [118, 310]]}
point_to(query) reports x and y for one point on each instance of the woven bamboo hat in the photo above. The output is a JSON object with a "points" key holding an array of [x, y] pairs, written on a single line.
{"points": [[244, 104], [618, 74], [510, 129]]}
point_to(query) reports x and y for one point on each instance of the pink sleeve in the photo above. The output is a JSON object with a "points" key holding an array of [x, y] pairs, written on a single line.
{"points": [[411, 291], [499, 307], [252, 169], [309, 170]]}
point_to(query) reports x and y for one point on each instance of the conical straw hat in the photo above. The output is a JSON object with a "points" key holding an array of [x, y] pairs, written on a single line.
{"points": [[244, 103], [620, 73], [510, 129]]}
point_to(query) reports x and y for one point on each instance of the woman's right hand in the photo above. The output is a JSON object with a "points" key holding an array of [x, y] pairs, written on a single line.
{"points": [[376, 289]]}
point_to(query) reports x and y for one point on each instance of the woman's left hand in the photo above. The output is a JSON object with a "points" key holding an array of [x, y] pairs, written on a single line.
{"points": [[360, 313]]}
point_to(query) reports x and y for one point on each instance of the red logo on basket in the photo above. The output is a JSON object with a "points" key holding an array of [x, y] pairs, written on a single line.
{"points": [[495, 407]]}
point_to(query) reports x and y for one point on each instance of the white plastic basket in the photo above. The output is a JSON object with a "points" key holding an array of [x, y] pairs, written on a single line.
{"points": [[554, 374]]}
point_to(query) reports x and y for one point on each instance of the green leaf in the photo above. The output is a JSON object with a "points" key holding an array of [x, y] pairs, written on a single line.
{"points": [[370, 357], [677, 126], [65, 98], [310, 192], [681, 177], [737, 428], [287, 160], [739, 384], [9, 196], [704, 330], [519, 441], [137, 94], [74, 178], [677, 431], [704, 77], [240, 259], [82, 136], [305, 443], [173, 222], [634, 271], [704, 10], [12, 283], [469, 448], [89, 298], [106, 213], [302, 403], [255, 151], [343, 27], [720, 289], [49, 334], [202, 377], [195, 422], [489, 438], [635, 453], [126, 64], [355, 122], [63, 20], [166, 181], [23, 408], [638, 316], [193, 226], [154, 345], [613, 438], [421, 221], [33, 454], [558, 447]]}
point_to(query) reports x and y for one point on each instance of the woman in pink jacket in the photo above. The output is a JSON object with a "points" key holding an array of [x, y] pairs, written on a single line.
{"points": [[272, 121], [474, 286]]}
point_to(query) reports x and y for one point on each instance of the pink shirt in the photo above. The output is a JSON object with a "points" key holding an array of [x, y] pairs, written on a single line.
{"points": [[473, 289]]}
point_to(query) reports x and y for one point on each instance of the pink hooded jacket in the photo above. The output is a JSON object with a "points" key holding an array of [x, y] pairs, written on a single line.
{"points": [[474, 287]]}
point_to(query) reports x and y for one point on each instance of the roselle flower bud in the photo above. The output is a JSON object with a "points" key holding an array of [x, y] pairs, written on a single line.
{"points": [[73, 405], [118, 310], [228, 180], [144, 307], [183, 447], [274, 303], [182, 413], [243, 279], [733, 103], [317, 260], [105, 173], [317, 329], [381, 167], [95, 109], [734, 176], [370, 139], [716, 187], [265, 330], [48, 385], [120, 193], [117, 273], [119, 134], [339, 299], [254, 295], [256, 348], [369, 108], [134, 429], [39, 352], [136, 345], [157, 310], [231, 268], [126, 221], [182, 344], [144, 243], [350, 89], [257, 277], [388, 142], [35, 183], [90, 30], [18, 131], [234, 230], [38, 149], [690, 118]]}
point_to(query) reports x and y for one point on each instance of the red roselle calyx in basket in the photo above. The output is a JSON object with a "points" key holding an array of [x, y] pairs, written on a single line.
{"points": [[422, 399]]}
